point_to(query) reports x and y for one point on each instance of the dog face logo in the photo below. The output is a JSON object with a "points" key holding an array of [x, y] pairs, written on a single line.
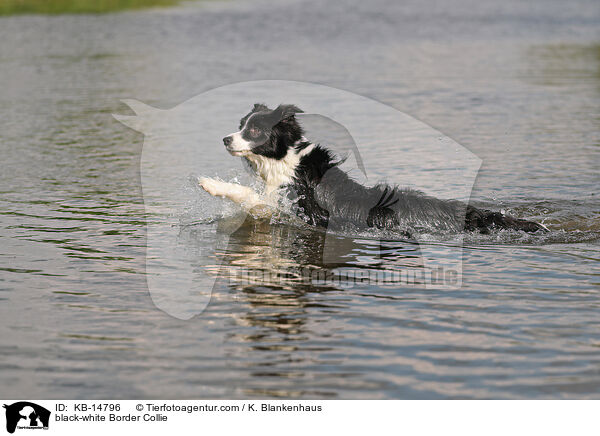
{"points": [[26, 415], [188, 232]]}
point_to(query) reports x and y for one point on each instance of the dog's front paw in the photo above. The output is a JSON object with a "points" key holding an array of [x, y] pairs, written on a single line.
{"points": [[212, 186]]}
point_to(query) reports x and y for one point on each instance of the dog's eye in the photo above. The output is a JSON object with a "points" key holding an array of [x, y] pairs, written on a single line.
{"points": [[254, 132]]}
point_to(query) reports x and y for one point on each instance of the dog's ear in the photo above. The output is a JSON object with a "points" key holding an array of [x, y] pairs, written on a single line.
{"points": [[286, 112], [258, 107]]}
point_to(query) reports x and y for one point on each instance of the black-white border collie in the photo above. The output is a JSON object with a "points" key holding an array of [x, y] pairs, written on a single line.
{"points": [[273, 144]]}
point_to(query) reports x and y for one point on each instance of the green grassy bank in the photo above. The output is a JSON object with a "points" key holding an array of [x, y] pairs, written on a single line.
{"points": [[8, 7]]}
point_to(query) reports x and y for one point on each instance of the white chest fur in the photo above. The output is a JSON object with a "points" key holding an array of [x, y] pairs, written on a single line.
{"points": [[277, 173]]}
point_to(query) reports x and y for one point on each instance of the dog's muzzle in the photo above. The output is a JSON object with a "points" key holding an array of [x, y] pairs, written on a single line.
{"points": [[228, 141], [233, 146]]}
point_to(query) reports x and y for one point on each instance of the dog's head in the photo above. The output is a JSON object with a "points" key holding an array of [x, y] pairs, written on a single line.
{"points": [[266, 132]]}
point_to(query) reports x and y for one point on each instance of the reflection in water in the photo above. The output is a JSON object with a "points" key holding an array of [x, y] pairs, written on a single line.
{"points": [[562, 64], [280, 272], [302, 258]]}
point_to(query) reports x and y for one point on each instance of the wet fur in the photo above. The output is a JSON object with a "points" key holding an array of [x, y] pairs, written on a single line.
{"points": [[272, 143]]}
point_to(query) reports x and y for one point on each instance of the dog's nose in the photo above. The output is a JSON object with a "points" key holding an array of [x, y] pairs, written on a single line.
{"points": [[227, 141]]}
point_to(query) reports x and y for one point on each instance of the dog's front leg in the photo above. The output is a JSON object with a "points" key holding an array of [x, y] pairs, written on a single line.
{"points": [[239, 194]]}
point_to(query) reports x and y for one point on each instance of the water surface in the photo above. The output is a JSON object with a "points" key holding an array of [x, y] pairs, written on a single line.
{"points": [[516, 83]]}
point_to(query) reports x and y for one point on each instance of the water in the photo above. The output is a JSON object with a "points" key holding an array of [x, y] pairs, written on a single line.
{"points": [[516, 83]]}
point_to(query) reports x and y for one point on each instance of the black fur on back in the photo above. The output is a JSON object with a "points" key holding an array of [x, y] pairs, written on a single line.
{"points": [[326, 193]]}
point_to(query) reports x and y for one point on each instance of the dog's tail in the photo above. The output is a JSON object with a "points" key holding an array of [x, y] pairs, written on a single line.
{"points": [[486, 220]]}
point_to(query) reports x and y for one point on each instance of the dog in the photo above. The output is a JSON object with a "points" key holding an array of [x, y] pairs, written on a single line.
{"points": [[272, 143]]}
